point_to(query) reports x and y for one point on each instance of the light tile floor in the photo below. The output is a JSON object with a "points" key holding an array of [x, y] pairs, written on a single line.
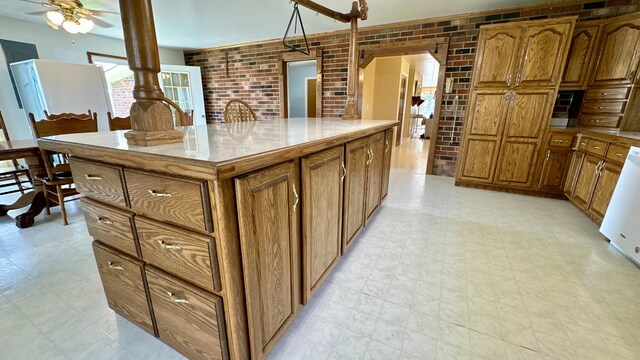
{"points": [[440, 273]]}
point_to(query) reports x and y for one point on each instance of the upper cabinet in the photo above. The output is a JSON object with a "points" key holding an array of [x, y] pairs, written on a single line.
{"points": [[581, 55], [498, 55], [619, 53], [544, 52]]}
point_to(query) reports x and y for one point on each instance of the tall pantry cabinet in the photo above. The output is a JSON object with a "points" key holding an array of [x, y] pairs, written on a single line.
{"points": [[517, 73]]}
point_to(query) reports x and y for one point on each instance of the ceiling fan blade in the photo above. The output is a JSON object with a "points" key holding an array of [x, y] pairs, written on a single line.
{"points": [[102, 12], [99, 22], [37, 12], [35, 2]]}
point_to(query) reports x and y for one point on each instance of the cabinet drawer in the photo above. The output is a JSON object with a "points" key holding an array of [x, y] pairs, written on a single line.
{"points": [[561, 140], [597, 147], [189, 320], [599, 120], [111, 226], [187, 255], [180, 201], [123, 282], [607, 94], [582, 143], [617, 153], [98, 181], [603, 107]]}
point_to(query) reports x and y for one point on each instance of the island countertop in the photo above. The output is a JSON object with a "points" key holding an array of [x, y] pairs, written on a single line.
{"points": [[228, 148]]}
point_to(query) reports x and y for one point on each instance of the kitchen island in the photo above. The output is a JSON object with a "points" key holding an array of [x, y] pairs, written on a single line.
{"points": [[215, 243]]}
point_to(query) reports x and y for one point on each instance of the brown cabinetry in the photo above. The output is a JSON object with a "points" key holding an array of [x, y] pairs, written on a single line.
{"points": [[388, 140], [608, 175], [375, 172], [619, 53], [110, 225], [554, 170], [585, 182], [498, 56], [268, 203], [544, 54], [355, 183], [322, 186], [581, 54]]}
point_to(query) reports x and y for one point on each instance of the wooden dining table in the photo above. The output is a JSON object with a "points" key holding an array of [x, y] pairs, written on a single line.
{"points": [[35, 199]]}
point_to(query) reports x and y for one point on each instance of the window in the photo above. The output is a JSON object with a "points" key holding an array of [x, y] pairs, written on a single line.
{"points": [[177, 88]]}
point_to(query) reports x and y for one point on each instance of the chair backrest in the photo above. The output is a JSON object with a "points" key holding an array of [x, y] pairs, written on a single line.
{"points": [[64, 125], [3, 127], [85, 116], [186, 120], [238, 110], [119, 123]]}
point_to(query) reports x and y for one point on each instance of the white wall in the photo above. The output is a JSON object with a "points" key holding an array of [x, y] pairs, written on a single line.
{"points": [[57, 45], [297, 74]]}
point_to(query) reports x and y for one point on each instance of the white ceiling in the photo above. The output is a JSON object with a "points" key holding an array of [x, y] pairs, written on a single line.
{"points": [[192, 24]]}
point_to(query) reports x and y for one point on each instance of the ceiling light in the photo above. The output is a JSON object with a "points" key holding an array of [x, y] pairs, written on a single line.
{"points": [[85, 25], [55, 17], [71, 27]]}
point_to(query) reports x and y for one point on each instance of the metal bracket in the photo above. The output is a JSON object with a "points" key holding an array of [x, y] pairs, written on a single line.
{"points": [[296, 16]]}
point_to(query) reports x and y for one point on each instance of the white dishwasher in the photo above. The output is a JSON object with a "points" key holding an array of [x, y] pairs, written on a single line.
{"points": [[621, 223]]}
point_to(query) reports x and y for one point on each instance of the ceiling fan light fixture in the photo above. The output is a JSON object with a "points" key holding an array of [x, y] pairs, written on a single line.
{"points": [[85, 25], [55, 17], [71, 27]]}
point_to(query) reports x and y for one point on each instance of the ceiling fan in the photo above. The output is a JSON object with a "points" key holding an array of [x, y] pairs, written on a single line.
{"points": [[71, 15]]}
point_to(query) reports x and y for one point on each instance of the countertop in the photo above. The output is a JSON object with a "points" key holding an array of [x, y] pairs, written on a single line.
{"points": [[633, 135], [231, 142]]}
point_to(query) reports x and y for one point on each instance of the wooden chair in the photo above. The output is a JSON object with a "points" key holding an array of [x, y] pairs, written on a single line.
{"points": [[119, 123], [86, 116], [238, 111], [12, 176], [58, 175]]}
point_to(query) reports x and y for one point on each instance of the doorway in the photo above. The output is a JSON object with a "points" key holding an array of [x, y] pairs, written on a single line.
{"points": [[301, 84], [383, 70]]}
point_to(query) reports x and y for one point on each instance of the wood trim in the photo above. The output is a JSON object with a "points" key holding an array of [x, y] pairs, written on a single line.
{"points": [[511, 190], [91, 54], [285, 57]]}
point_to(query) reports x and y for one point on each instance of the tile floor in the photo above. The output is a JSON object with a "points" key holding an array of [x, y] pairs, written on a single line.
{"points": [[440, 273]]}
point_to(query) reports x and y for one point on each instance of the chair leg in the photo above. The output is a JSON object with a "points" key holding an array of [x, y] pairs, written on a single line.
{"points": [[61, 203], [46, 198], [18, 183]]}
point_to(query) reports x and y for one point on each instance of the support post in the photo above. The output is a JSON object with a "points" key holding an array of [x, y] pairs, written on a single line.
{"points": [[151, 117], [351, 111]]}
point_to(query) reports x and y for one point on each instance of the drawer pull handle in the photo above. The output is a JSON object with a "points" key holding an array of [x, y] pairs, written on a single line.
{"points": [[583, 143], [115, 266], [105, 221], [92, 177], [168, 246], [596, 147], [605, 94], [295, 193], [344, 172], [177, 299], [600, 107], [386, 148], [159, 193], [619, 154]]}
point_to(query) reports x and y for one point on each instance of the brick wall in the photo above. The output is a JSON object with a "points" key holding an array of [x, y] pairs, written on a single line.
{"points": [[121, 96], [253, 73]]}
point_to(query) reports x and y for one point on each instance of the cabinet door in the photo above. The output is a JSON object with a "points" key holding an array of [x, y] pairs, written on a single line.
{"points": [[529, 114], [581, 53], [322, 176], [355, 183], [574, 169], [586, 181], [267, 215], [554, 170], [374, 173], [618, 58], [497, 58], [607, 181], [544, 54], [483, 132], [388, 140]]}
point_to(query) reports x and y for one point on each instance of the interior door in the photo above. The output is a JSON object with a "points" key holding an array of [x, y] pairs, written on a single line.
{"points": [[322, 177], [619, 53], [374, 173], [544, 55], [183, 85], [267, 214], [607, 181], [586, 181], [483, 132], [356, 157], [497, 58], [528, 117], [580, 57]]}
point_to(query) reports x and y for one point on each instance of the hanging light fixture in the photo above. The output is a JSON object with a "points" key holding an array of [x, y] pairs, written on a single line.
{"points": [[70, 21], [55, 18], [85, 25], [71, 27]]}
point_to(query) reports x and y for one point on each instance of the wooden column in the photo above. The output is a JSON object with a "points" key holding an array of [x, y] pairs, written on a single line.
{"points": [[151, 117], [351, 111]]}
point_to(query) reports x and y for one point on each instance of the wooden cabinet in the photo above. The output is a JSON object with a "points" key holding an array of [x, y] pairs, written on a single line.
{"points": [[570, 183], [322, 185], [498, 56], [99, 181], [619, 53], [581, 54], [356, 158], [110, 225], [544, 54], [554, 170], [268, 203], [608, 175], [375, 172], [388, 140], [586, 181]]}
